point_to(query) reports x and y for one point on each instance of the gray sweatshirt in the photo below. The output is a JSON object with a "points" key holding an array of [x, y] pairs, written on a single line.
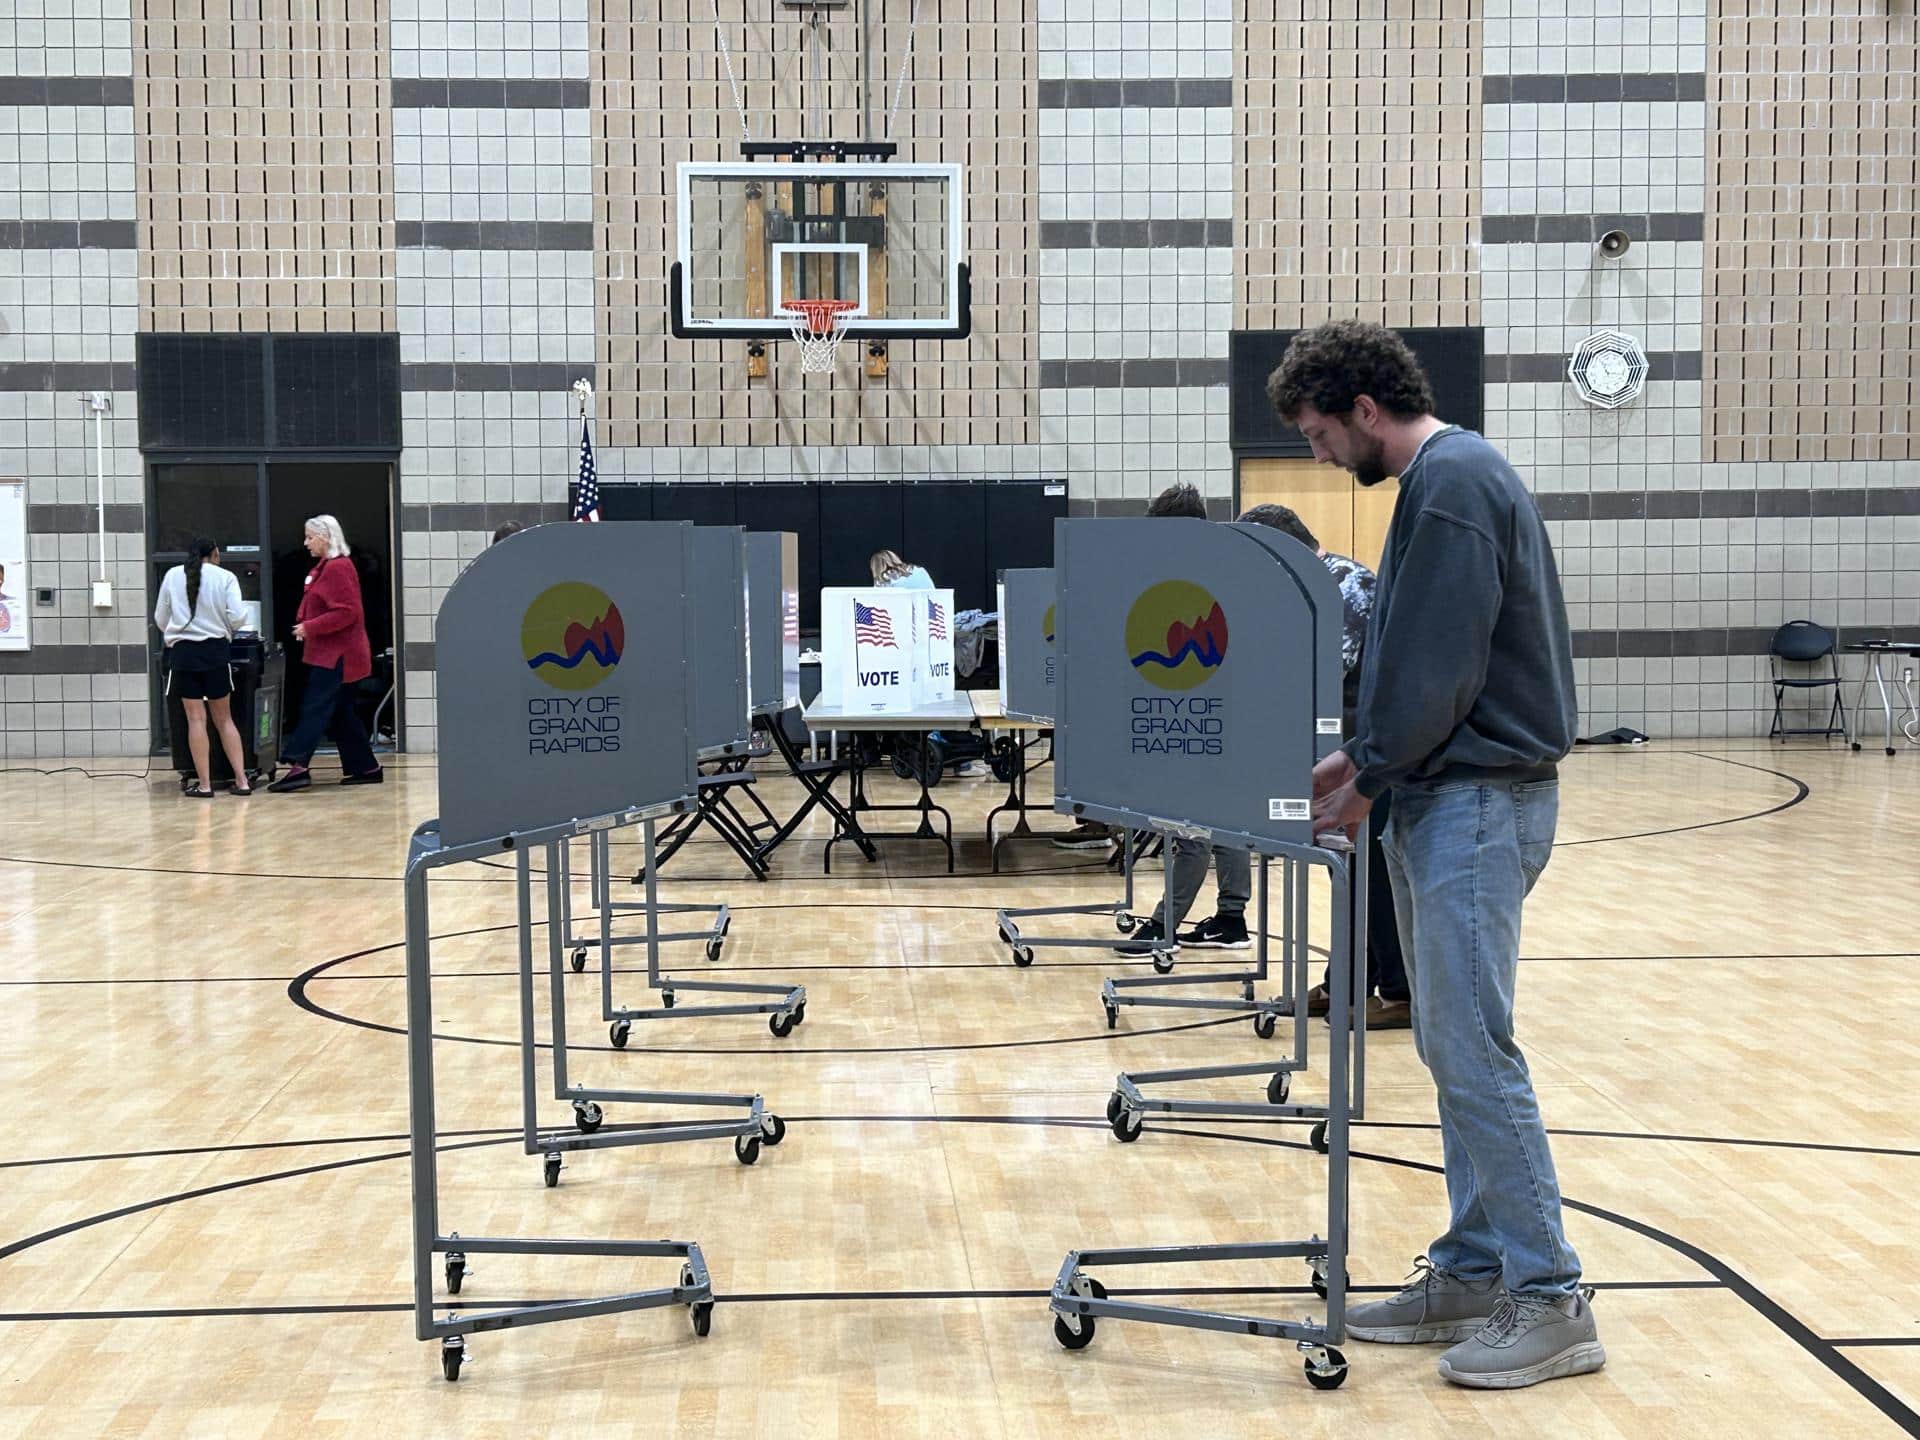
{"points": [[1468, 673]]}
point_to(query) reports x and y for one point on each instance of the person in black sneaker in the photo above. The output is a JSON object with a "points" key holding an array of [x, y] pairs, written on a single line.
{"points": [[1389, 1000], [1226, 928]]}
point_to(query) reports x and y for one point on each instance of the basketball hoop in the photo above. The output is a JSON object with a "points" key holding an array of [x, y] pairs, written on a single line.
{"points": [[818, 328]]}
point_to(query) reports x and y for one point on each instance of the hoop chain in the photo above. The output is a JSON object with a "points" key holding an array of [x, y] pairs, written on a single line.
{"points": [[726, 58], [906, 63]]}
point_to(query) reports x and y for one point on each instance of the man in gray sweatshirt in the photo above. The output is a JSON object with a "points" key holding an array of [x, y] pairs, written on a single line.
{"points": [[1466, 708]]}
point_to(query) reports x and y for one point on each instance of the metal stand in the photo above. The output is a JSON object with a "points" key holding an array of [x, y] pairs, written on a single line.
{"points": [[786, 1006], [1128, 1104], [1124, 920], [1010, 755], [601, 902], [695, 1288], [1078, 1299]]}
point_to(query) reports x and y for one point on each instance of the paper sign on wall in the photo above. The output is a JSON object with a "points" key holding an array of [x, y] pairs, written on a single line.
{"points": [[14, 593]]}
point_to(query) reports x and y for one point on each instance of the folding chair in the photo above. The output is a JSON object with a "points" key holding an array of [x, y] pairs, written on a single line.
{"points": [[1801, 642]]}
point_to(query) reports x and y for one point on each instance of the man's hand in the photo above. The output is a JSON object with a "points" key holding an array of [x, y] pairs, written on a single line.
{"points": [[1331, 773], [1341, 810]]}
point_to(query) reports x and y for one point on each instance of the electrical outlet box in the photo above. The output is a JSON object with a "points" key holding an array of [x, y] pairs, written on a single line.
{"points": [[103, 594], [43, 595]]}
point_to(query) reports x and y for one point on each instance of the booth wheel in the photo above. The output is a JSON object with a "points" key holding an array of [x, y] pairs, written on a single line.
{"points": [[1006, 936], [1124, 923], [579, 959], [1278, 1087], [1116, 1102], [1023, 955], [550, 1170], [452, 1351], [1319, 1280], [587, 1116], [456, 1272], [746, 1148], [1317, 1137], [1075, 1332], [700, 1312], [618, 1033], [1126, 1126], [1163, 962], [1113, 1013], [1329, 1373], [1264, 1024], [782, 1024], [713, 949], [772, 1129]]}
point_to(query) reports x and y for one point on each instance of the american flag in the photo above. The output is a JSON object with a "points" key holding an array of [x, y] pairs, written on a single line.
{"points": [[936, 621], [871, 626], [586, 494]]}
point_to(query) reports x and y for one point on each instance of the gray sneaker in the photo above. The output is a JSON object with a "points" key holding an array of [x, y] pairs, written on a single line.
{"points": [[1529, 1339], [1436, 1308]]}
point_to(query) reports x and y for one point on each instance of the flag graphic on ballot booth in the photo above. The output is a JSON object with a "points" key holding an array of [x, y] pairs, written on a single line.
{"points": [[936, 621], [871, 626]]}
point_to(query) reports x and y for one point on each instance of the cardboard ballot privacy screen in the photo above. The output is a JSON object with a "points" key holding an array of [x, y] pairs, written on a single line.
{"points": [[885, 651], [564, 687]]}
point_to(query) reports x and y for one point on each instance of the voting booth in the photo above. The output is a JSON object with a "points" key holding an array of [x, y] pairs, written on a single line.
{"points": [[1028, 670], [773, 622], [885, 651]]}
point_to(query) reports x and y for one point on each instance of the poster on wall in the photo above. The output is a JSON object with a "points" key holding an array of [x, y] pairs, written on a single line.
{"points": [[14, 594]]}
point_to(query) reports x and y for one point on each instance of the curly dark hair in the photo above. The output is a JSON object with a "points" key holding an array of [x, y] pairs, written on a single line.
{"points": [[1181, 502], [1331, 365]]}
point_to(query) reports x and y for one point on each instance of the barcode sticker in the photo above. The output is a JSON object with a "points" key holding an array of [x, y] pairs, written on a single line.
{"points": [[1325, 726], [1289, 810]]}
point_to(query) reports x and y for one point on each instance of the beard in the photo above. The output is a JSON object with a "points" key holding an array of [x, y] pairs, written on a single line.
{"points": [[1370, 468]]}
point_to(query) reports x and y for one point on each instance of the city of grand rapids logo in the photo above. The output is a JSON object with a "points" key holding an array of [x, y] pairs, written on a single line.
{"points": [[1176, 635], [572, 638]]}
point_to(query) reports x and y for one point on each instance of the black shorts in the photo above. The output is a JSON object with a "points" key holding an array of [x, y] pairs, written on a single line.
{"points": [[200, 669]]}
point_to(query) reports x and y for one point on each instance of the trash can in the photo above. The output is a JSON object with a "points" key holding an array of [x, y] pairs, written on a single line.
{"points": [[259, 685]]}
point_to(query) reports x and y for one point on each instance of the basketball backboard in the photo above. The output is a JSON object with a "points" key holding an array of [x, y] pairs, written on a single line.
{"points": [[757, 235]]}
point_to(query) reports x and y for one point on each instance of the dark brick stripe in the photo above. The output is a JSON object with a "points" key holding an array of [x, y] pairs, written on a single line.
{"points": [[1590, 89], [1131, 374], [492, 375], [66, 90], [85, 520], [65, 375], [493, 234], [1587, 229], [1544, 369], [69, 234], [1108, 94], [1727, 504], [1694, 644], [492, 94], [1136, 234], [75, 660], [460, 515]]}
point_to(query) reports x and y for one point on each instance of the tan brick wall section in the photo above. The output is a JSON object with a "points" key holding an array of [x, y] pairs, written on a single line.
{"points": [[263, 136], [1811, 242], [1359, 152], [661, 96]]}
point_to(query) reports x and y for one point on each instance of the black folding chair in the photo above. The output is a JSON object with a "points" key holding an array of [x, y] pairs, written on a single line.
{"points": [[788, 731], [1801, 642]]}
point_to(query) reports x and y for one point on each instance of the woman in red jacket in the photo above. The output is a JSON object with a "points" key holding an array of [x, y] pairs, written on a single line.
{"points": [[332, 630]]}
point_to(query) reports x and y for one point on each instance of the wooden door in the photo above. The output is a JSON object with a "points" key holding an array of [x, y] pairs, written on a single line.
{"points": [[1346, 517]]}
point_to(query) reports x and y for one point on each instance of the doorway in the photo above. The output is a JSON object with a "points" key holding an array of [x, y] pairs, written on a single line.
{"points": [[1346, 517]]}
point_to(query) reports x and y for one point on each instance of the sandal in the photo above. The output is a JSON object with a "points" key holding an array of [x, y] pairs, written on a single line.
{"points": [[195, 792], [236, 790]]}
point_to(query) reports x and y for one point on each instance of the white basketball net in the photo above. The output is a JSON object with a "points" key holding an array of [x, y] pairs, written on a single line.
{"points": [[818, 328]]}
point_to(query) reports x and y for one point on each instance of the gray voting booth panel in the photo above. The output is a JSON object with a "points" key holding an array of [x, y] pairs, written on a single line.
{"points": [[562, 693], [1027, 644], [773, 621], [1199, 677], [718, 600]]}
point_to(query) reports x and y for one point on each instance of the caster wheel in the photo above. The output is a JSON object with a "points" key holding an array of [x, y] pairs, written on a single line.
{"points": [[1005, 938], [713, 950], [773, 1129], [1330, 1376], [551, 1171], [618, 1033], [1116, 1102], [1856, 747], [1074, 1332], [456, 1273], [1022, 956], [800, 1013], [1264, 1025], [452, 1352], [746, 1148], [1113, 1016], [1319, 1283], [1246, 992], [579, 959], [666, 999], [1279, 1087], [701, 1313], [1162, 963], [588, 1117], [781, 1026], [1126, 1126], [1317, 1137], [1889, 749], [1124, 923]]}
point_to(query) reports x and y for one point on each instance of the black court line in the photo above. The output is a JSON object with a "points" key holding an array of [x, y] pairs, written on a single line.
{"points": [[1870, 1342], [770, 1297], [1825, 1352], [1801, 791]]}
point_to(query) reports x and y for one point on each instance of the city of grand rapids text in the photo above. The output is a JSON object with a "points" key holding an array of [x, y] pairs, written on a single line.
{"points": [[587, 726], [1170, 725]]}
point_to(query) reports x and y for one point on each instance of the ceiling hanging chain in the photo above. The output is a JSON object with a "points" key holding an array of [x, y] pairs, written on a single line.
{"points": [[733, 80], [906, 64]]}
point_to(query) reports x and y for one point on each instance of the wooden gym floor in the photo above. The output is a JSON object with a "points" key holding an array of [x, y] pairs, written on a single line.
{"points": [[204, 1226]]}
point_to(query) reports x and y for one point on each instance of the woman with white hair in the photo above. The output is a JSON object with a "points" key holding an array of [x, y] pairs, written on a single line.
{"points": [[331, 627]]}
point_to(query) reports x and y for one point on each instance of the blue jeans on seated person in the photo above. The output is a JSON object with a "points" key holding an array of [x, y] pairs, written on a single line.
{"points": [[1464, 857]]}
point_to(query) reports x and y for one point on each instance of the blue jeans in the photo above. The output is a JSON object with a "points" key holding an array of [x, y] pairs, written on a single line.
{"points": [[1463, 859]]}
